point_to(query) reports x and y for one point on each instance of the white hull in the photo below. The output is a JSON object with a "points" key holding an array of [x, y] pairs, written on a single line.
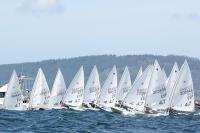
{"points": [[74, 108], [107, 109], [93, 109], [57, 108]]}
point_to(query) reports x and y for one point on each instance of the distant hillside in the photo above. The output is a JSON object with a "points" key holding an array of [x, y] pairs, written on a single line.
{"points": [[104, 64]]}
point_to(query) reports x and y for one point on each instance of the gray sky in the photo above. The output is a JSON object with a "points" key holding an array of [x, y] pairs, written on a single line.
{"points": [[34, 30]]}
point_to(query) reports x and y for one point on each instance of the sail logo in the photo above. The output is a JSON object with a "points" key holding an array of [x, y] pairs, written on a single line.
{"points": [[78, 90], [94, 89], [126, 89], [186, 90], [163, 89]]}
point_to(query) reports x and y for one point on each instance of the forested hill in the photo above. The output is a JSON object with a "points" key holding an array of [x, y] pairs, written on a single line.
{"points": [[104, 64]]}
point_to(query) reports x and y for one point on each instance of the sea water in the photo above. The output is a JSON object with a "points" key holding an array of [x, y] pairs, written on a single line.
{"points": [[63, 121]]}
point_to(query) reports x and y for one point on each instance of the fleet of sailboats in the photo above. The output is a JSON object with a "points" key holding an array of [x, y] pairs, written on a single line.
{"points": [[152, 92]]}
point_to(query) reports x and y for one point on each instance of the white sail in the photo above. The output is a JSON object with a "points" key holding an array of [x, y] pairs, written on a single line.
{"points": [[40, 93], [74, 94], [124, 85], [165, 75], [107, 96], [183, 96], [139, 74], [156, 95], [92, 88], [58, 91], [13, 99], [135, 99], [171, 82]]}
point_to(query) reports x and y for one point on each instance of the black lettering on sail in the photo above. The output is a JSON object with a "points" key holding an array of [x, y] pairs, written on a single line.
{"points": [[162, 102], [77, 90], [125, 89], [164, 95], [163, 89], [186, 90], [188, 103]]}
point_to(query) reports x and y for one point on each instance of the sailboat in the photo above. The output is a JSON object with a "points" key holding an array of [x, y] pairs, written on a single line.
{"points": [[13, 99], [92, 90], [134, 103], [139, 74], [183, 95], [57, 92], [124, 86], [73, 97], [157, 93], [40, 93], [122, 90], [171, 83], [107, 96]]}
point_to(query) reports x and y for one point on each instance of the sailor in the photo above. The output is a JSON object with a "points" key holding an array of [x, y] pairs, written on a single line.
{"points": [[92, 104]]}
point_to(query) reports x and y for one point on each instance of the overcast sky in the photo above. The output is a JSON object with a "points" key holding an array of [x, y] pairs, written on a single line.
{"points": [[34, 30]]}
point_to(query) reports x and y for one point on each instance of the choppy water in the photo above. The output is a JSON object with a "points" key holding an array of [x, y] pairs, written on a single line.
{"points": [[93, 121]]}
